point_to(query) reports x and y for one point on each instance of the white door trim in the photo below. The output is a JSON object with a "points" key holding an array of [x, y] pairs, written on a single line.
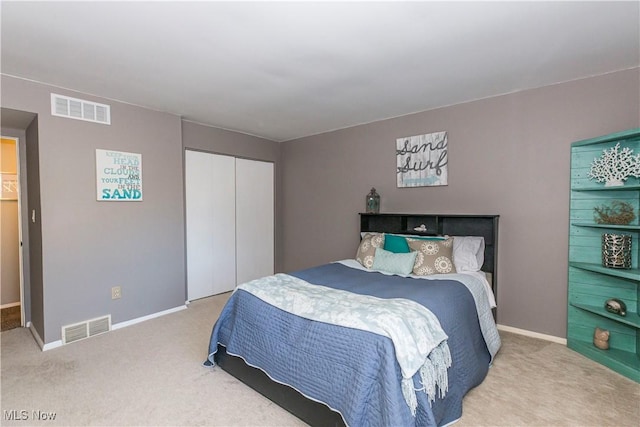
{"points": [[20, 234]]}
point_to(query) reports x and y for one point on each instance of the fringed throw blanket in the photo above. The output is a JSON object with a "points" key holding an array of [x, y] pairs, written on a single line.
{"points": [[419, 341]]}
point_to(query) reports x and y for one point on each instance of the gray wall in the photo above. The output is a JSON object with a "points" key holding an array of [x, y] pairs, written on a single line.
{"points": [[200, 137], [508, 155], [89, 246]]}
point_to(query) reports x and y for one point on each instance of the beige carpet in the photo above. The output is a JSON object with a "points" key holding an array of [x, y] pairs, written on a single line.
{"points": [[150, 374]]}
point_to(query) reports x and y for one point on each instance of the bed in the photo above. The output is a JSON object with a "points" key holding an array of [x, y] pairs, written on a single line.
{"points": [[327, 343]]}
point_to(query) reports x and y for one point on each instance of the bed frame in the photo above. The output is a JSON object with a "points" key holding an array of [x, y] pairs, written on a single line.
{"points": [[318, 414]]}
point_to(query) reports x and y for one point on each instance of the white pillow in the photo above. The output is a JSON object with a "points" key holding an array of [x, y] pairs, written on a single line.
{"points": [[468, 253]]}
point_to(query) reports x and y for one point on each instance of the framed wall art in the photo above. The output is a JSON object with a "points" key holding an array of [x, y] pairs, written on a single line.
{"points": [[118, 176], [421, 160]]}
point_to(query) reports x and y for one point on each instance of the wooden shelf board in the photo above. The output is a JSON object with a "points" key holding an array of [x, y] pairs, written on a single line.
{"points": [[631, 319], [603, 188], [630, 273], [612, 226], [629, 134], [623, 362]]}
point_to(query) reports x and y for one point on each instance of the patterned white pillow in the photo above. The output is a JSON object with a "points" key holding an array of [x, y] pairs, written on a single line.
{"points": [[367, 249], [434, 256]]}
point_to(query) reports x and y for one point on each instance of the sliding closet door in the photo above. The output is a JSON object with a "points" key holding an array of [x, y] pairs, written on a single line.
{"points": [[254, 219], [210, 216]]}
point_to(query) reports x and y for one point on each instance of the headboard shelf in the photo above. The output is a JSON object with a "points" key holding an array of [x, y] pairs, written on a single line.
{"points": [[413, 232]]}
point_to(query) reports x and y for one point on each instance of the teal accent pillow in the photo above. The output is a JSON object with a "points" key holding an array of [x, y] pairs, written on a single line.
{"points": [[389, 262], [396, 244]]}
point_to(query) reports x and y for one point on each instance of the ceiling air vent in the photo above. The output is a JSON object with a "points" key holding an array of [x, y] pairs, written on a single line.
{"points": [[74, 108], [89, 328]]}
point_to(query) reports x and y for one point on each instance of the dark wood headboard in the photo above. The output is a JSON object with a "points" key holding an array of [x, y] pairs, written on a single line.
{"points": [[452, 225]]}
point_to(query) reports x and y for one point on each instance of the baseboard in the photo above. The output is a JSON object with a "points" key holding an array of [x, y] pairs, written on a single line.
{"points": [[11, 304], [148, 317], [532, 334], [52, 345], [115, 326], [41, 344]]}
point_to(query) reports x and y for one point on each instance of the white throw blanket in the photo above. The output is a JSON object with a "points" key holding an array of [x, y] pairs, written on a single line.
{"points": [[419, 341]]}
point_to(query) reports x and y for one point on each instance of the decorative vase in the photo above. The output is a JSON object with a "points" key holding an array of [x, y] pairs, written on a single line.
{"points": [[373, 202], [616, 250]]}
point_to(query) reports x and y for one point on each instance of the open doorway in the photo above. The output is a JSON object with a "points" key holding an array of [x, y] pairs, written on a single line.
{"points": [[22, 126], [11, 278]]}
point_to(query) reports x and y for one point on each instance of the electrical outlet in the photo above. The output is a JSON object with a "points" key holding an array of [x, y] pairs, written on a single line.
{"points": [[116, 292]]}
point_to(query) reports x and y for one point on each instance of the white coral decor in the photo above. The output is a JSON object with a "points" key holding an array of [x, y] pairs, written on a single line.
{"points": [[615, 166]]}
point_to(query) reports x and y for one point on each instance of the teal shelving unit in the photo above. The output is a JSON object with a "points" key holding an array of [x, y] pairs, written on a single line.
{"points": [[590, 283]]}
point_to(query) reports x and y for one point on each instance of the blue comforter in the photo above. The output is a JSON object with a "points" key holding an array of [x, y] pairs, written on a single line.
{"points": [[355, 372]]}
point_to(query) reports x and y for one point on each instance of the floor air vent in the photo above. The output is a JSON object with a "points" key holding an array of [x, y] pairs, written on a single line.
{"points": [[89, 328], [74, 108]]}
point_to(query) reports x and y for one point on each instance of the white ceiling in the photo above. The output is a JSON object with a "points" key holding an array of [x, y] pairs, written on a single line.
{"points": [[283, 70]]}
